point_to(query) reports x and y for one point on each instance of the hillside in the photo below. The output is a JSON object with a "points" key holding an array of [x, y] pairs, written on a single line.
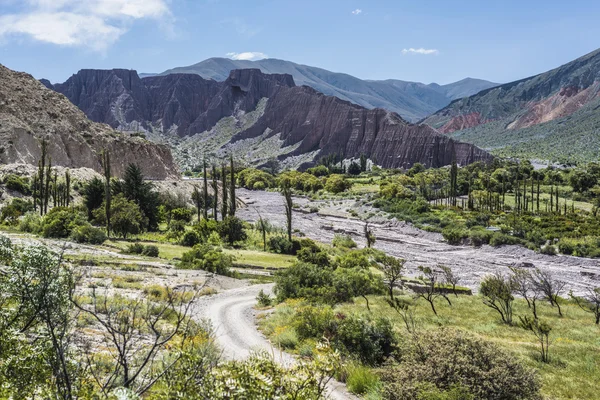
{"points": [[412, 100], [552, 116], [29, 112], [257, 116]]}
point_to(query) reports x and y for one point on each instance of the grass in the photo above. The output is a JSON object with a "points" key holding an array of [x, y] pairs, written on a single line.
{"points": [[574, 370], [253, 258]]}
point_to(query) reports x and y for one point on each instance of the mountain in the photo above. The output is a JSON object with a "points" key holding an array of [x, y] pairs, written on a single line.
{"points": [[29, 111], [257, 116], [413, 101], [550, 116]]}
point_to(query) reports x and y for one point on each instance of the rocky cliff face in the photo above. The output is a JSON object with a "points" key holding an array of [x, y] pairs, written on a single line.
{"points": [[301, 122], [29, 112], [412, 100]]}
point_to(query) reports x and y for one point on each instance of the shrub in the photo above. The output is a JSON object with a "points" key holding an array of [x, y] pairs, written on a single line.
{"points": [[190, 239], [135, 248], [60, 222], [181, 214], [446, 358], [314, 322], [550, 250], [566, 247], [479, 237], [281, 245], [31, 223], [88, 234], [337, 184], [370, 340], [360, 379], [17, 208], [344, 241], [318, 171], [205, 228], [454, 236], [150, 251], [207, 258], [231, 230], [303, 280], [263, 299], [286, 338], [17, 183]]}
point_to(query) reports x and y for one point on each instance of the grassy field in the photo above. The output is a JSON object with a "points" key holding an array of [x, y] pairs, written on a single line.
{"points": [[252, 258], [574, 370]]}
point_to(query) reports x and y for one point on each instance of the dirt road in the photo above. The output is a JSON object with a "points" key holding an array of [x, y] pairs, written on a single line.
{"points": [[416, 246], [233, 317]]}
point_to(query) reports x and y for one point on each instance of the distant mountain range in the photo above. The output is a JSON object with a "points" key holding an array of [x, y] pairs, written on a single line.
{"points": [[257, 117], [412, 100], [551, 116]]}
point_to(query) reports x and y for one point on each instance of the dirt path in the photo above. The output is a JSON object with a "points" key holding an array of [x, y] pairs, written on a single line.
{"points": [[418, 247], [234, 320]]}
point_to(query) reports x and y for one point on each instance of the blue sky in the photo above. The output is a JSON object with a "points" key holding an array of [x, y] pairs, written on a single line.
{"points": [[426, 40]]}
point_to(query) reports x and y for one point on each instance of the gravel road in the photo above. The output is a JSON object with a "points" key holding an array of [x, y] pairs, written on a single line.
{"points": [[416, 246], [233, 317]]}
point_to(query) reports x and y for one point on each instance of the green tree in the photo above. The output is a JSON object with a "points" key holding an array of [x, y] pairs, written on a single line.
{"points": [[496, 291], [107, 189], [127, 218], [233, 204], [93, 196], [286, 191], [231, 229], [142, 193]]}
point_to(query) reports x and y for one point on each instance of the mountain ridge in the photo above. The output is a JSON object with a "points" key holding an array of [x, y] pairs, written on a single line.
{"points": [[251, 111], [534, 108], [391, 94]]}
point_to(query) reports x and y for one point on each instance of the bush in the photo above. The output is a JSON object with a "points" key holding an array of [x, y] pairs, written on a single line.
{"points": [[60, 222], [360, 379], [286, 339], [135, 248], [190, 239], [181, 214], [281, 245], [17, 208], [550, 250], [150, 251], [205, 228], [314, 322], [17, 183], [566, 248], [337, 184], [303, 280], [479, 237], [263, 299], [31, 223], [454, 236], [88, 234], [207, 258], [231, 230], [344, 241], [370, 340], [318, 171], [446, 358]]}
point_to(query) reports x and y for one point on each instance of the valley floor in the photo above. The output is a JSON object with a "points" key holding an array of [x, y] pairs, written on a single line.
{"points": [[416, 246]]}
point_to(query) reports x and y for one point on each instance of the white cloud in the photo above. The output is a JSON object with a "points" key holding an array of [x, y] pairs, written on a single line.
{"points": [[247, 56], [421, 51], [357, 11], [96, 24]]}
